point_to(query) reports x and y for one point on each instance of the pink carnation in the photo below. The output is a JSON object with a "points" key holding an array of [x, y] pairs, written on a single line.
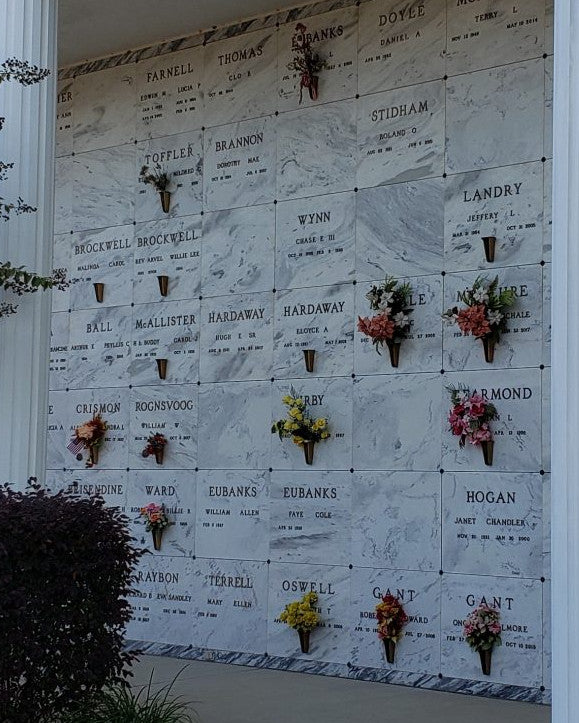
{"points": [[379, 327], [473, 320]]}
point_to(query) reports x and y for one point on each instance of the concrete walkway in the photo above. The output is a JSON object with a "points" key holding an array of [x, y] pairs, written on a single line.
{"points": [[235, 694]]}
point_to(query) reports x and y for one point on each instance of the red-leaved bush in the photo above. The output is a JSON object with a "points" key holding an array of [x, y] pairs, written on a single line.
{"points": [[66, 567]]}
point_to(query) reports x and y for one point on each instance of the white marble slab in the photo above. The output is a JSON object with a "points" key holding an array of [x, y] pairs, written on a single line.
{"points": [[502, 202], [238, 251], [64, 117], [169, 247], [547, 210], [100, 347], [397, 425], [546, 478], [169, 95], [418, 649], [104, 108], [522, 343], [396, 520], [61, 261], [240, 77], [103, 190], [169, 410], [163, 601], [176, 491], [236, 337], [311, 517], [330, 640], [548, 122], [400, 43], [232, 605], [316, 150], [315, 240], [59, 351], [401, 135], [495, 117], [232, 515], [333, 36], [516, 394], [482, 35], [165, 331], [181, 157], [329, 398], [549, 22], [319, 319], [546, 418], [547, 641], [68, 410], [63, 195], [234, 424], [421, 350], [109, 484], [104, 257], [518, 660], [239, 164], [492, 524], [399, 229], [547, 282]]}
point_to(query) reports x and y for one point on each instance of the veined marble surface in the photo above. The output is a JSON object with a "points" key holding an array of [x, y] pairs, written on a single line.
{"points": [[315, 241], [510, 101], [233, 514], [316, 150], [63, 194], [547, 291], [61, 260], [400, 43], [399, 229], [64, 117], [546, 418], [396, 520], [547, 210], [333, 36], [548, 122], [547, 533], [110, 484], [401, 134], [104, 108], [238, 251], [59, 351]]}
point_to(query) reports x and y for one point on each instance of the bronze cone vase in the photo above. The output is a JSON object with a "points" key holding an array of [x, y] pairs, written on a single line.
{"points": [[390, 648], [489, 349], [304, 640], [313, 87], [159, 455], [99, 292], [93, 455], [165, 200], [309, 358], [157, 533], [309, 451], [163, 285], [394, 349], [485, 660], [162, 368], [487, 450], [489, 243]]}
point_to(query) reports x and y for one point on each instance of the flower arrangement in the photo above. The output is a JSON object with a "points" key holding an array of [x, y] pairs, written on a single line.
{"points": [[301, 615], [470, 419], [156, 444], [156, 521], [482, 631], [160, 180], [392, 324], [484, 315], [391, 619], [305, 62], [90, 436], [300, 426]]}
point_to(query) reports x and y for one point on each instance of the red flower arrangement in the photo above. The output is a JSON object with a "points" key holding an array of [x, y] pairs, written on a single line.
{"points": [[470, 419], [306, 62], [155, 445], [391, 619], [89, 435]]}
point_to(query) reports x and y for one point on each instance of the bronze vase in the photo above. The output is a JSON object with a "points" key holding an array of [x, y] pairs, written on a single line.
{"points": [[159, 455], [487, 450], [313, 87], [485, 660], [99, 292], [309, 357], [489, 348], [93, 455], [304, 640], [390, 648], [157, 533], [165, 200], [309, 451], [394, 349], [489, 243], [162, 368], [163, 285]]}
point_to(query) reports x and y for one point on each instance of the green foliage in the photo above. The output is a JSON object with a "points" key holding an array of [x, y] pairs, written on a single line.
{"points": [[157, 178], [20, 281]]}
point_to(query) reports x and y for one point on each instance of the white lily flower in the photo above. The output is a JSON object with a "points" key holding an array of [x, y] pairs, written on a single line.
{"points": [[400, 319]]}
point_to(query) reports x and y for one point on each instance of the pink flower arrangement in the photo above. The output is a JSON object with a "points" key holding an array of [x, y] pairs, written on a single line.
{"points": [[379, 327], [392, 323], [473, 320], [155, 517], [482, 628], [470, 416]]}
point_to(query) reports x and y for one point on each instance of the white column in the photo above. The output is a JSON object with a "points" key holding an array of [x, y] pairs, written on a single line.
{"points": [[565, 367], [28, 32]]}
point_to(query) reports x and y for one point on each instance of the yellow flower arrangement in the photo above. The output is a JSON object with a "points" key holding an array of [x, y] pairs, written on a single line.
{"points": [[301, 615], [299, 425]]}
